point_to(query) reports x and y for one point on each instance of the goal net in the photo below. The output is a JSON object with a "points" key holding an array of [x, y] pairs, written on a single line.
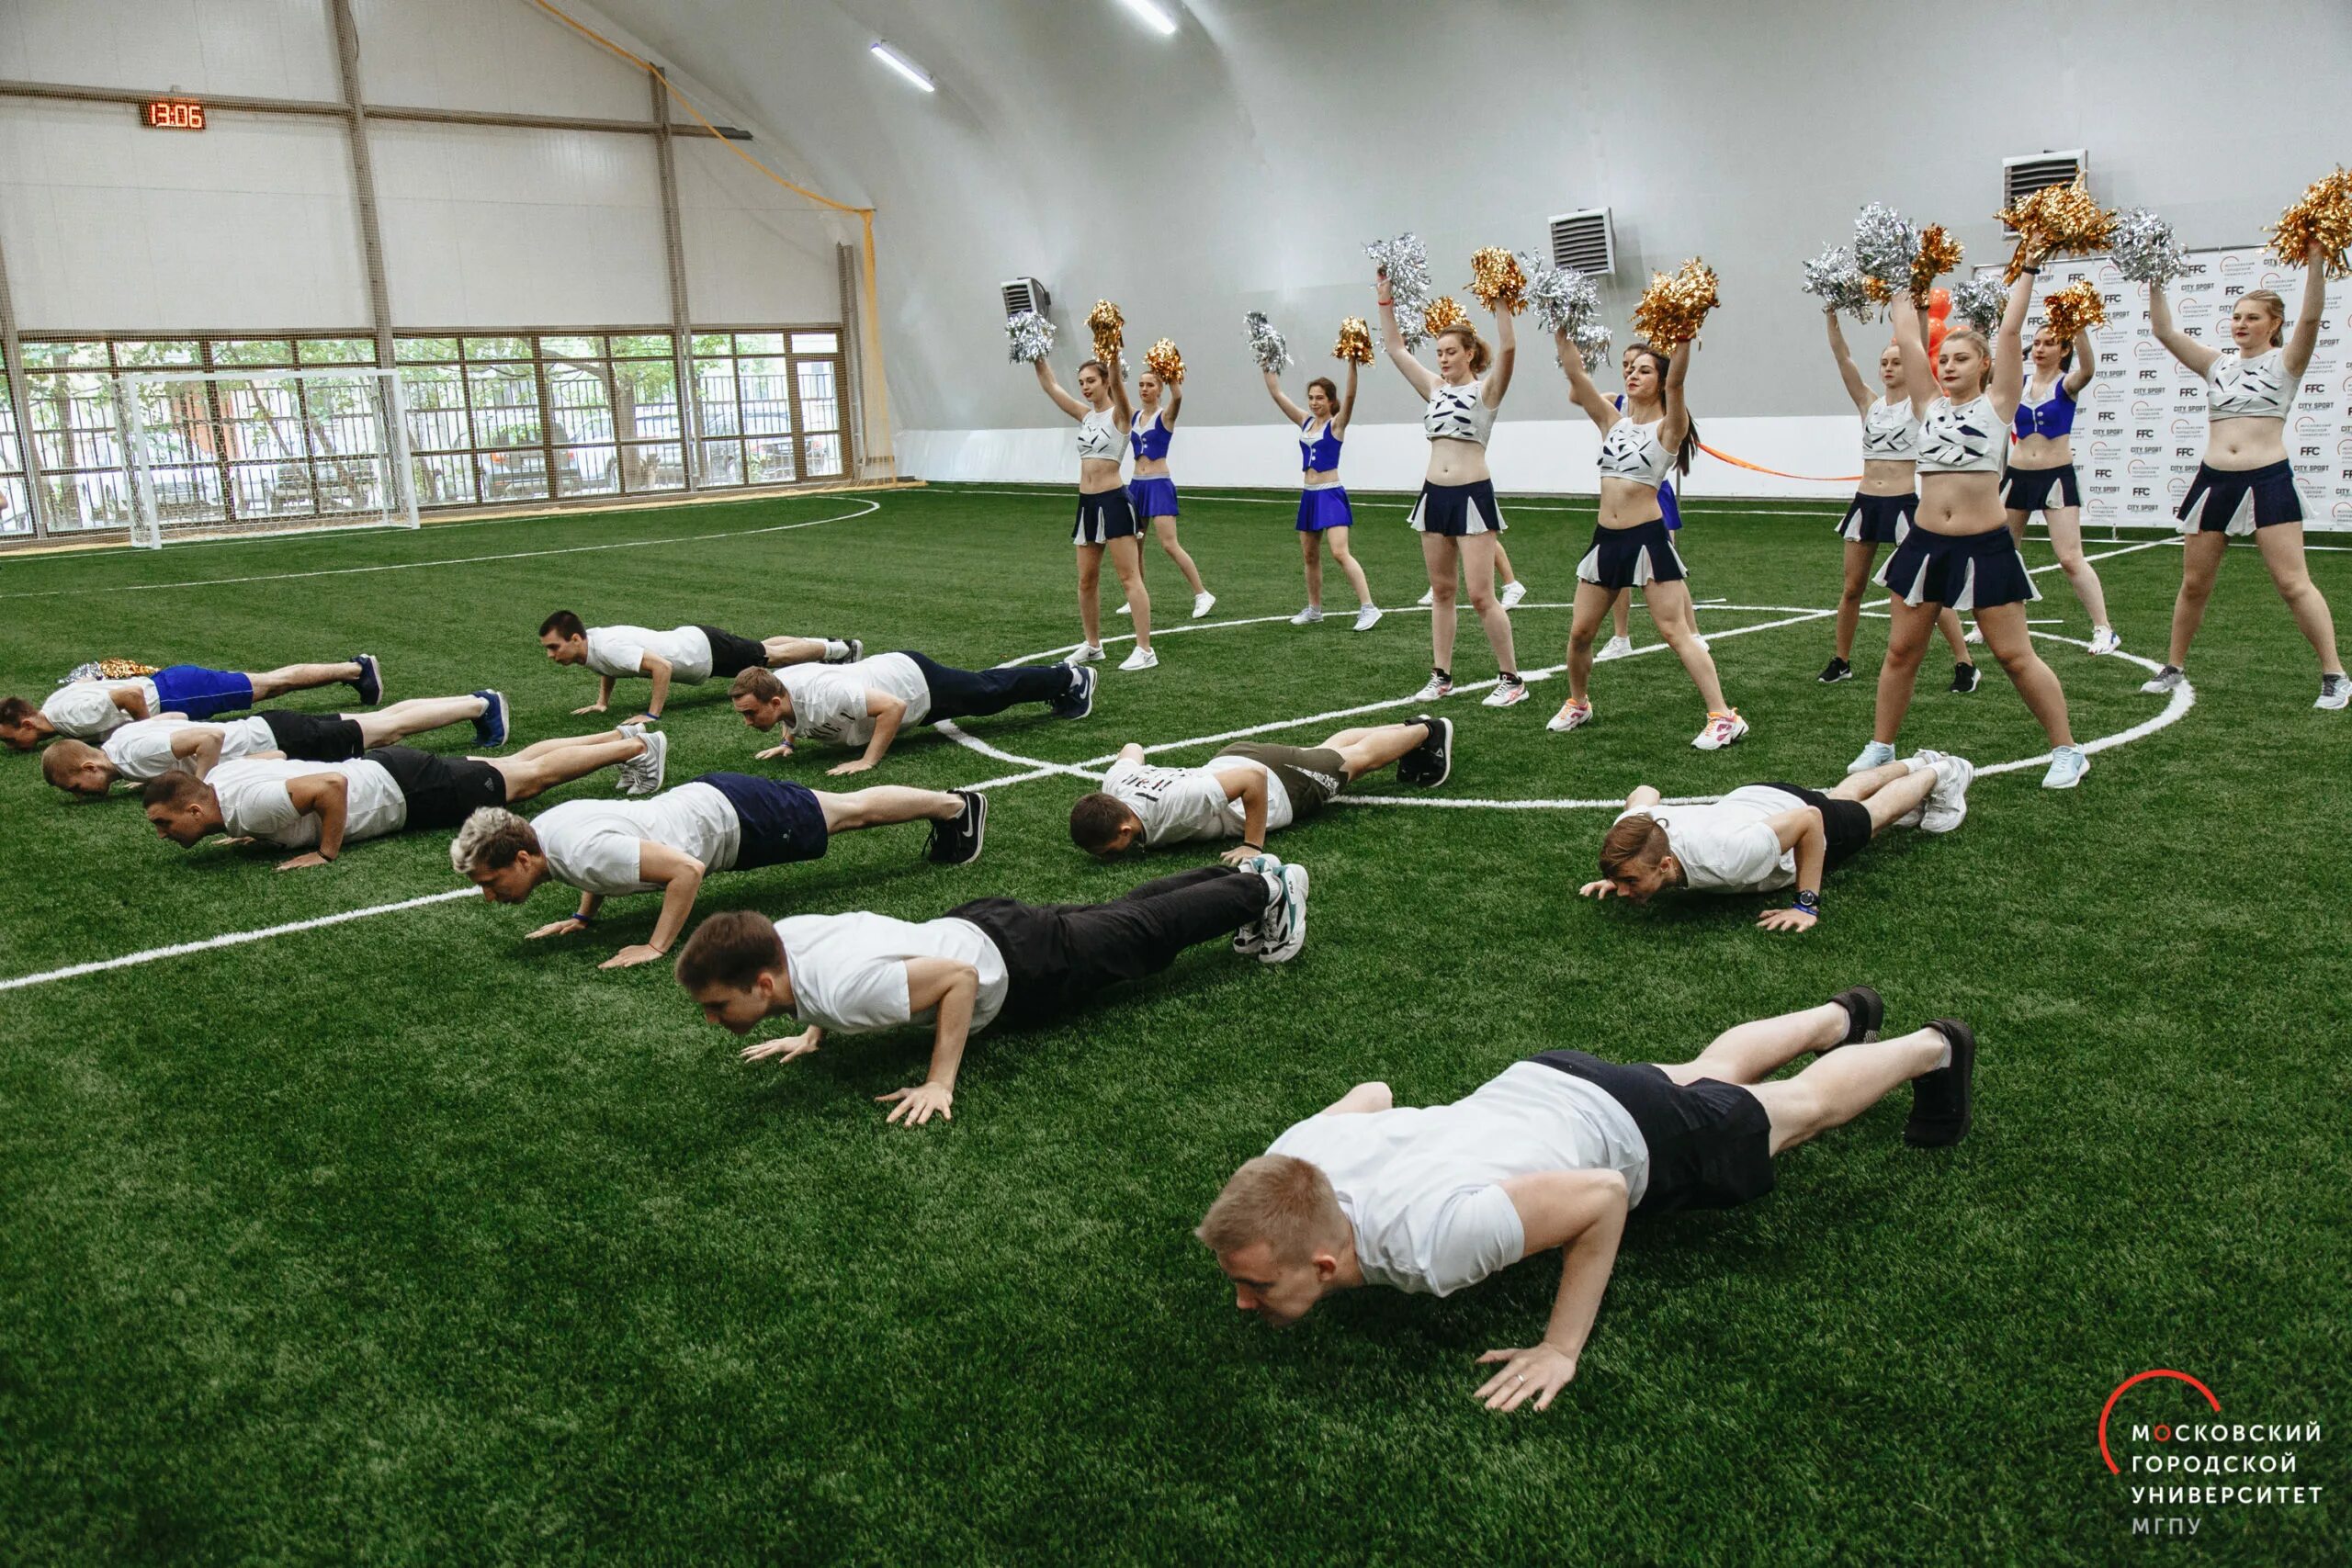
{"points": [[221, 453]]}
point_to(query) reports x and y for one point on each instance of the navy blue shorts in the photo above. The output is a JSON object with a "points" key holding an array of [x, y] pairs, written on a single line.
{"points": [[199, 693], [781, 820]]}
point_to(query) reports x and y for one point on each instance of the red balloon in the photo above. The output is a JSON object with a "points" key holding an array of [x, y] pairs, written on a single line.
{"points": [[1936, 331], [1939, 304]]}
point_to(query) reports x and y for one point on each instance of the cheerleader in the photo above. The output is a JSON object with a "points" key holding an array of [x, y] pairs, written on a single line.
{"points": [[1324, 515], [2245, 485], [1153, 493], [1456, 516], [1959, 552], [1652, 437], [2042, 466], [1106, 522], [1882, 509]]}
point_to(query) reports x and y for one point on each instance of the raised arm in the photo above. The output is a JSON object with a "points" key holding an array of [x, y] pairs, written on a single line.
{"points": [[327, 797], [1121, 404], [888, 713], [2085, 368], [2305, 337], [1173, 393], [1582, 1213], [2008, 349], [1676, 423], [1062, 399], [1855, 388], [1498, 380], [679, 875], [1291, 411], [2196, 356], [1347, 403], [1581, 391], [953, 988], [1918, 370], [1392, 339]]}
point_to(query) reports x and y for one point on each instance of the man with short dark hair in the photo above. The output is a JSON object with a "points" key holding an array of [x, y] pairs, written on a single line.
{"points": [[147, 749], [94, 708], [686, 655], [867, 703], [858, 973], [1557, 1152]]}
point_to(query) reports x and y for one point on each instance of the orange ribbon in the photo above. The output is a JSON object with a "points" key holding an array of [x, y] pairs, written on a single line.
{"points": [[1776, 473]]}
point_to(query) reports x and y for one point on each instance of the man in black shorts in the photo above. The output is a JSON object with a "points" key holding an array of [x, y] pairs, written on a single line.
{"points": [[318, 808], [147, 749], [1557, 1152], [686, 655], [1763, 837], [1249, 789]]}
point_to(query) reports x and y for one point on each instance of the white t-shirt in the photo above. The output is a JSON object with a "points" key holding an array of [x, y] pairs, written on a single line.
{"points": [[86, 710], [1422, 1187], [619, 651], [142, 750], [828, 700], [1178, 806], [255, 803], [1729, 847], [849, 971], [592, 844]]}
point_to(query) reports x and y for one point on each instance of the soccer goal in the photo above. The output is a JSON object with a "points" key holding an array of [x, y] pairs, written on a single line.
{"points": [[219, 453]]}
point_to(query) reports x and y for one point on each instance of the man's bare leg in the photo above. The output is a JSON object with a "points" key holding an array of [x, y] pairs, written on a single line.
{"points": [[414, 716], [538, 750], [1371, 749], [885, 804], [1751, 1053], [1844, 1083], [268, 684], [1889, 792], [783, 650], [548, 763]]}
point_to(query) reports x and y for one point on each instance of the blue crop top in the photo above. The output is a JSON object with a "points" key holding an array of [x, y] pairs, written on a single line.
{"points": [[1150, 441], [2049, 420], [1319, 453]]}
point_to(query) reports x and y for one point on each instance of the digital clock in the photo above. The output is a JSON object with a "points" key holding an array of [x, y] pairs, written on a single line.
{"points": [[175, 114]]}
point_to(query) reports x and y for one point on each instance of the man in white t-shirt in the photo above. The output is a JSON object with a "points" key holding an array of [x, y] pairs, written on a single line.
{"points": [[857, 973], [1249, 789], [670, 842], [147, 749], [1763, 837], [868, 703], [683, 655], [94, 708], [1555, 1152], [318, 808]]}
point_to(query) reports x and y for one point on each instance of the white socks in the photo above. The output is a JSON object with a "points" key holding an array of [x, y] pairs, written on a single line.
{"points": [[836, 650]]}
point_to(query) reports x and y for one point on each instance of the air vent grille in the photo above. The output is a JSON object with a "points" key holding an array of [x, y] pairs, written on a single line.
{"points": [[1585, 241]]}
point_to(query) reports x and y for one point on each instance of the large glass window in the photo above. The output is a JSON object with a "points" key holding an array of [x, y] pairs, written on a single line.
{"points": [[770, 405]]}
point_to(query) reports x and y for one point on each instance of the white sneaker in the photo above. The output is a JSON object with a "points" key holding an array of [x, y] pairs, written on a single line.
{"points": [[1973, 638], [643, 774], [1512, 593], [1428, 598], [1573, 715], [2334, 694], [1877, 754], [2067, 766], [1141, 659], [1203, 603], [1308, 617], [1438, 686], [1124, 610], [1615, 648], [2164, 683], [2104, 641], [1085, 653], [1250, 940], [1505, 695], [1368, 616], [1948, 802], [1285, 923], [1723, 729]]}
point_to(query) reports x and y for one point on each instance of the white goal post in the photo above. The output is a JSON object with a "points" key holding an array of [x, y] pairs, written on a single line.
{"points": [[237, 452]]}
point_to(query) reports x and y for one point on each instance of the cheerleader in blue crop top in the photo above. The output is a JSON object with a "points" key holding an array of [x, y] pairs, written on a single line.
{"points": [[1324, 515], [1959, 552], [2247, 483], [2041, 476], [1106, 522], [1152, 491]]}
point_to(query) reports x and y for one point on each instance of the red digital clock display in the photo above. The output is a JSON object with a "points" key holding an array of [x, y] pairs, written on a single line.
{"points": [[175, 114]]}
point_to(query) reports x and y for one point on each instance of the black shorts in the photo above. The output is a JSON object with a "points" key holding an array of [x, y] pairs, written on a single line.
{"points": [[1710, 1142], [1962, 571], [315, 737], [1312, 776], [1455, 510], [1846, 823], [1632, 558], [731, 655], [2029, 490], [779, 820], [441, 792], [1878, 519], [2239, 501], [1102, 518]]}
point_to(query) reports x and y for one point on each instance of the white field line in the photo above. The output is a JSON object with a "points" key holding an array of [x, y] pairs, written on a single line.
{"points": [[1590, 503]]}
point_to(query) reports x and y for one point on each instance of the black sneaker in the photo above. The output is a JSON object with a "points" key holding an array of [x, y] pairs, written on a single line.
{"points": [[1963, 678], [1943, 1103], [370, 684], [956, 841], [1079, 700], [1865, 1011], [1837, 670], [1431, 763]]}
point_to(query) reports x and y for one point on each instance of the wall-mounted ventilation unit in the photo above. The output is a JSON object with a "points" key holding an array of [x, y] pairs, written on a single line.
{"points": [[2020, 178], [1026, 294], [1585, 241]]}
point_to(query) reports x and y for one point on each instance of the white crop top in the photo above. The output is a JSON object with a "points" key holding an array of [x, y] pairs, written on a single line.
{"points": [[1966, 438], [1631, 451], [2239, 388], [1098, 435], [1459, 414], [1889, 432]]}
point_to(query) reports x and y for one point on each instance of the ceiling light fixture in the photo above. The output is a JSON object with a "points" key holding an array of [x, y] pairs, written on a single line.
{"points": [[901, 64], [1154, 18]]}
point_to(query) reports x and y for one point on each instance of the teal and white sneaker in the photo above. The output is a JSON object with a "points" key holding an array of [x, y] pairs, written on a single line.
{"points": [[1286, 921], [2335, 692], [1251, 939], [1877, 754], [2067, 766]]}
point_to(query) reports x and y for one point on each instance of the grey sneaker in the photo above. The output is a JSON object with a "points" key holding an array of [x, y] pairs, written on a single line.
{"points": [[2164, 683], [2335, 692], [1877, 754]]}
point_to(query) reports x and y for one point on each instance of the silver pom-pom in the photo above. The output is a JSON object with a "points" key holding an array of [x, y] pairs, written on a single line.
{"points": [[1408, 267], [1835, 279], [1980, 303], [1266, 345], [1592, 340], [1884, 245], [1031, 336], [2145, 249], [1564, 298], [1412, 325]]}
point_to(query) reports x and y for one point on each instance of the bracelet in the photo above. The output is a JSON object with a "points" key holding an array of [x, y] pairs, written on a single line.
{"points": [[1247, 845], [2034, 271], [583, 919]]}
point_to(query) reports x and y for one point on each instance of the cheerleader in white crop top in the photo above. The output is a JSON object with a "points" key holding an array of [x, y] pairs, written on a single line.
{"points": [[1644, 442], [2246, 484], [1106, 519], [1460, 526], [1961, 555], [1882, 509], [1324, 514]]}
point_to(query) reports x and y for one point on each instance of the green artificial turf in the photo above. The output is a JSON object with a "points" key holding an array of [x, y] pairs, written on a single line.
{"points": [[405, 1240]]}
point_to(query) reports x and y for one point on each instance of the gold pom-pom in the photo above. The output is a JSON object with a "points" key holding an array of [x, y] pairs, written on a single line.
{"points": [[2074, 308], [1164, 361], [1442, 313], [1497, 280], [2322, 218], [1110, 330], [1675, 305], [2055, 221], [124, 670], [1355, 341], [1938, 254], [1879, 290]]}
